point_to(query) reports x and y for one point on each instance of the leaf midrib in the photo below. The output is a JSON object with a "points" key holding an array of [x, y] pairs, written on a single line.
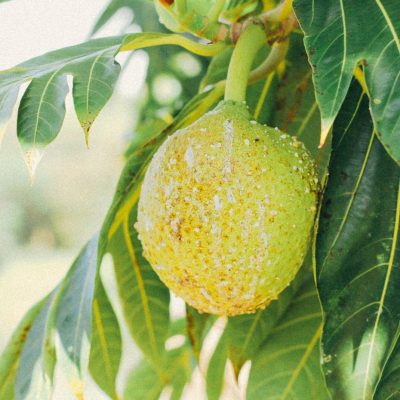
{"points": [[143, 295]]}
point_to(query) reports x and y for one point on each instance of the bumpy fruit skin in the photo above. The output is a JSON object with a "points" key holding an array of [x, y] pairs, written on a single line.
{"points": [[226, 210]]}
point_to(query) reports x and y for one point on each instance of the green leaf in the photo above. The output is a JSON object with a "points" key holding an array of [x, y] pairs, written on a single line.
{"points": [[245, 333], [10, 358], [217, 69], [296, 110], [146, 382], [339, 34], [41, 114], [287, 366], [358, 255], [42, 108], [105, 351], [94, 72], [145, 298], [94, 84], [216, 370], [389, 385], [36, 365], [143, 383], [74, 309]]}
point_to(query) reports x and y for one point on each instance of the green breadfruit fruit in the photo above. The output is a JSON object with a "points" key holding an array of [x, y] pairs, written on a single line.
{"points": [[226, 211]]}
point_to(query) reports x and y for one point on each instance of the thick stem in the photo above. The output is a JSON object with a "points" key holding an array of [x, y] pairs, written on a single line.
{"points": [[279, 13], [250, 41]]}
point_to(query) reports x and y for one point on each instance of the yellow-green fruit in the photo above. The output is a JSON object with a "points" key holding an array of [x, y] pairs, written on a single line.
{"points": [[226, 210]]}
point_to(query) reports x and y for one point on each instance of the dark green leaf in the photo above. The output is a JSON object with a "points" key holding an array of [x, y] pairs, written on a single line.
{"points": [[389, 385], [296, 110], [340, 34], [287, 366], [358, 255], [10, 358]]}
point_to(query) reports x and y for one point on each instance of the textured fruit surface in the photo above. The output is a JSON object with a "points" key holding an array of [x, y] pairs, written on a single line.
{"points": [[226, 210]]}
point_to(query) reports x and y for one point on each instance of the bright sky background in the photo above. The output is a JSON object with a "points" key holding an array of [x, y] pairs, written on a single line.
{"points": [[29, 28]]}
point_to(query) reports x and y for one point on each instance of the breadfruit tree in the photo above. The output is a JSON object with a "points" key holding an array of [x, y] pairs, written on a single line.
{"points": [[266, 196]]}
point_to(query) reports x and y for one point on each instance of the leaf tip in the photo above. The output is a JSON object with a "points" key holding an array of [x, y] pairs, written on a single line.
{"points": [[86, 129], [32, 159], [326, 125]]}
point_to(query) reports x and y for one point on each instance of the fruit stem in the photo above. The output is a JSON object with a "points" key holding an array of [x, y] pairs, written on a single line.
{"points": [[250, 41], [279, 13], [215, 10]]}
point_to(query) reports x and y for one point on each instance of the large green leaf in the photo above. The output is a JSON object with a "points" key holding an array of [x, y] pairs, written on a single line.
{"points": [[94, 72], [145, 298], [358, 255], [42, 107], [340, 34], [10, 358], [287, 365]]}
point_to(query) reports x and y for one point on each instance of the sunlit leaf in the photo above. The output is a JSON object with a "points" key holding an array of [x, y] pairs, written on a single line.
{"points": [[216, 370], [287, 365], [41, 114], [36, 365], [10, 358], [358, 255], [146, 382], [74, 312], [340, 34], [93, 85], [105, 351], [144, 297], [94, 72]]}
